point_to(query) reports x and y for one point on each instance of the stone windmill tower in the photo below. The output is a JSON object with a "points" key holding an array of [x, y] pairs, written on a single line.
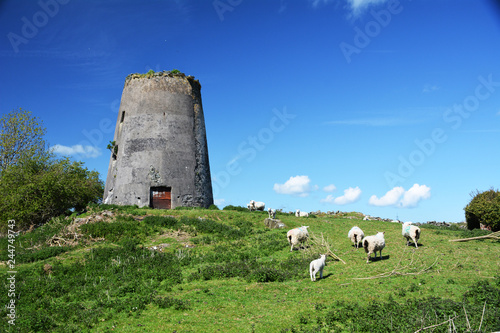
{"points": [[160, 154]]}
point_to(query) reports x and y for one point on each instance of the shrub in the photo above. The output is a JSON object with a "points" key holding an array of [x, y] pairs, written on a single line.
{"points": [[390, 316], [162, 221], [42, 254], [36, 190], [112, 231], [187, 208], [236, 208], [484, 208]]}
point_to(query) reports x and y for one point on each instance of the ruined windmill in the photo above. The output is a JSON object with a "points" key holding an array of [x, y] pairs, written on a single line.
{"points": [[159, 156]]}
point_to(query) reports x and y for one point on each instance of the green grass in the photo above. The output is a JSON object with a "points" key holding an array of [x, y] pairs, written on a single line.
{"points": [[224, 270]]}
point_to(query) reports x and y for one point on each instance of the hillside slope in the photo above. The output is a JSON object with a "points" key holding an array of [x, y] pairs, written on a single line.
{"points": [[126, 269]]}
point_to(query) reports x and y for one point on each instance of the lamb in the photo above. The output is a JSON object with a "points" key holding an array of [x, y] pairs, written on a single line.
{"points": [[317, 266], [297, 236], [412, 232], [298, 213], [272, 213], [256, 205], [356, 235], [372, 244]]}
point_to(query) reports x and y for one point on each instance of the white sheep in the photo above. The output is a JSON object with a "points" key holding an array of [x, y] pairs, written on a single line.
{"points": [[317, 266], [298, 213], [356, 235], [372, 244], [256, 205], [297, 236], [272, 213], [412, 232]]}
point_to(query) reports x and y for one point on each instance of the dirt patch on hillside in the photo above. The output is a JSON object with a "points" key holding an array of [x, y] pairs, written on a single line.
{"points": [[71, 234]]}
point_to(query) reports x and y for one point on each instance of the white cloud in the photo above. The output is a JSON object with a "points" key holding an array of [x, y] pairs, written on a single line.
{"points": [[414, 195], [220, 202], [350, 195], [85, 151], [329, 188], [430, 88], [400, 198], [298, 185], [357, 6], [390, 198], [329, 199]]}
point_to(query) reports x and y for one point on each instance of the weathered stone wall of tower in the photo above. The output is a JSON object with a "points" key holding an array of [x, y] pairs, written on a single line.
{"points": [[161, 143]]}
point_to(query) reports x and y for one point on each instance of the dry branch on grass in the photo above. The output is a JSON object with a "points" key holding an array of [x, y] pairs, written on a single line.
{"points": [[324, 245], [398, 270], [452, 323], [432, 326], [493, 235]]}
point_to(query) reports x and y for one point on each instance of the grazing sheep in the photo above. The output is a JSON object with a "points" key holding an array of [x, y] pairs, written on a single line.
{"points": [[298, 213], [297, 236], [356, 235], [317, 266], [272, 213], [412, 232], [372, 244]]}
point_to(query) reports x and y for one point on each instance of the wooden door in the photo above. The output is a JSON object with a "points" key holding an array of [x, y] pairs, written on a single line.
{"points": [[161, 198]]}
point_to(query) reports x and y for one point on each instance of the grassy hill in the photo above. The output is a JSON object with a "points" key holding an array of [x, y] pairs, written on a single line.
{"points": [[124, 269]]}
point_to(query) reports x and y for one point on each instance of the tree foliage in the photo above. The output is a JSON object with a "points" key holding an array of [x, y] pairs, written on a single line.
{"points": [[36, 190], [34, 185], [483, 208], [21, 136]]}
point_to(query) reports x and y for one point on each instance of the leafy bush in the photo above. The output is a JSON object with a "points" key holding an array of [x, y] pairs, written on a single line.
{"points": [[484, 208], [112, 231], [412, 315], [167, 302], [188, 208], [38, 189], [42, 254], [236, 208], [162, 221]]}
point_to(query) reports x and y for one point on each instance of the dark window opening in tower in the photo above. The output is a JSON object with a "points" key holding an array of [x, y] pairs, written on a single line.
{"points": [[115, 152], [123, 117]]}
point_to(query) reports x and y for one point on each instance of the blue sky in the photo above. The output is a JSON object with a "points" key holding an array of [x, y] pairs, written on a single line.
{"points": [[390, 108]]}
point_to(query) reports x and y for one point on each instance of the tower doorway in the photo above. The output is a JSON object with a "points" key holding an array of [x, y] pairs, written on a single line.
{"points": [[160, 197]]}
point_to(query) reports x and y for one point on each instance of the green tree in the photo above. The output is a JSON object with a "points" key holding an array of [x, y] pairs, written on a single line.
{"points": [[483, 208], [38, 189], [34, 185], [21, 136]]}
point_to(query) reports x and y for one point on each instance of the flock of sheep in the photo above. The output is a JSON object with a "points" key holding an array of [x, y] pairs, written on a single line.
{"points": [[371, 244]]}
